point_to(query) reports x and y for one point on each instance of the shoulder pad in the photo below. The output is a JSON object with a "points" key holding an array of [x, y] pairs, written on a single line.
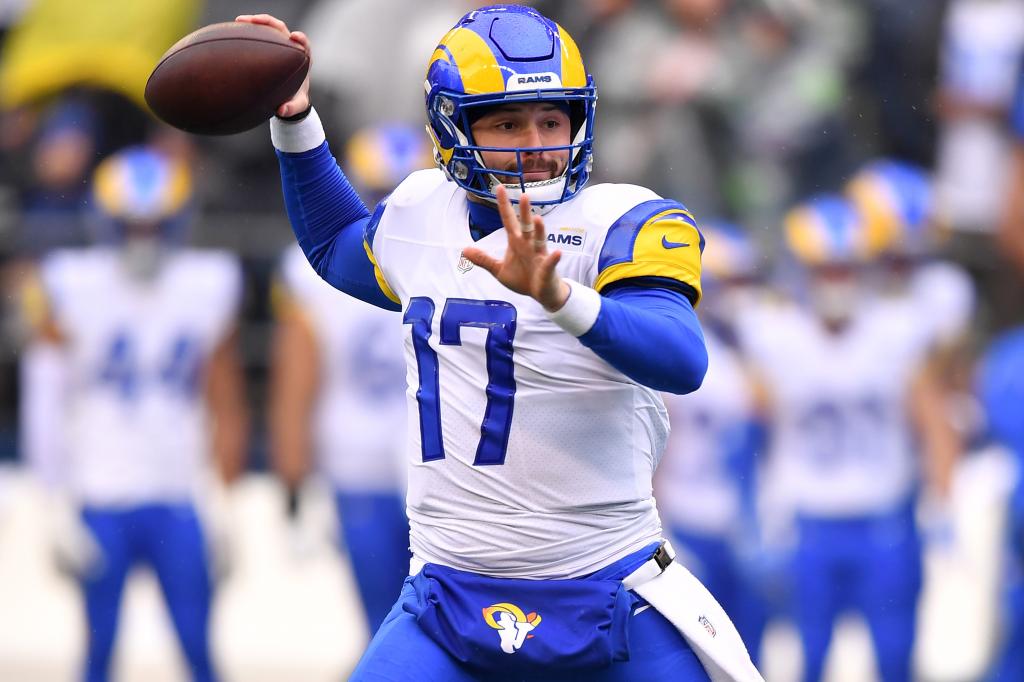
{"points": [[606, 203]]}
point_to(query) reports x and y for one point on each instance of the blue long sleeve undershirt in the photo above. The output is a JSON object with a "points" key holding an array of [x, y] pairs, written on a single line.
{"points": [[650, 334]]}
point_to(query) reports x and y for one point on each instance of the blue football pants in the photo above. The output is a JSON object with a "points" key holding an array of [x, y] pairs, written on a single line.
{"points": [[376, 534], [401, 651], [167, 538], [867, 564]]}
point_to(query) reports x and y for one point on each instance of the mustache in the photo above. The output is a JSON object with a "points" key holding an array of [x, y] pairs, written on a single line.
{"points": [[534, 165]]}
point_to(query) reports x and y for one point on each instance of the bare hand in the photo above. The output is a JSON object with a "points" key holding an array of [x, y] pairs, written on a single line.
{"points": [[527, 267], [300, 100]]}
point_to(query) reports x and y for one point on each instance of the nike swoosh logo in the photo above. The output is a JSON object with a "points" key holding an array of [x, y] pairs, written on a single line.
{"points": [[672, 245]]}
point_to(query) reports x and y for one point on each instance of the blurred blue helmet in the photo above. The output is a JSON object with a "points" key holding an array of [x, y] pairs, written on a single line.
{"points": [[507, 54], [729, 253], [381, 156], [140, 190], [1000, 387], [826, 230], [895, 200]]}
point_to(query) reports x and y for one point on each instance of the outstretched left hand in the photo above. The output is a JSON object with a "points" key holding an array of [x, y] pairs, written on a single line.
{"points": [[527, 268]]}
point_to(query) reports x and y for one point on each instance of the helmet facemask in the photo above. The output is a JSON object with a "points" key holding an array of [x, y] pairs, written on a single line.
{"points": [[466, 165]]}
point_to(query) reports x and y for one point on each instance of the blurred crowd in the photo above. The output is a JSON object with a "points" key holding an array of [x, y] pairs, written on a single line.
{"points": [[857, 168]]}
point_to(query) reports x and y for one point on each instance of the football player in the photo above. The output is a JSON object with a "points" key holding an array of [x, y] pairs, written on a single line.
{"points": [[706, 482], [338, 390], [895, 201], [541, 317], [1000, 384], [843, 373], [142, 358]]}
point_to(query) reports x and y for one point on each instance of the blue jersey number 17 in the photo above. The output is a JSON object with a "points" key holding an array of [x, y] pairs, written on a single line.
{"points": [[499, 319]]}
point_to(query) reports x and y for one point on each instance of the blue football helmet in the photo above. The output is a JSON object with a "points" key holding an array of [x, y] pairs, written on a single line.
{"points": [[895, 200], [141, 192], [827, 236], [730, 253], [826, 230], [497, 55], [379, 157]]}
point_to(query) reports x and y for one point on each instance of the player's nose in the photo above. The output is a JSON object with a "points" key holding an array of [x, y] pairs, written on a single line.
{"points": [[531, 136]]}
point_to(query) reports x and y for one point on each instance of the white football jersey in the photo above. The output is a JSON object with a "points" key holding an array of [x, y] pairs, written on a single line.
{"points": [[360, 413], [942, 295], [136, 427], [697, 490], [529, 455], [841, 439]]}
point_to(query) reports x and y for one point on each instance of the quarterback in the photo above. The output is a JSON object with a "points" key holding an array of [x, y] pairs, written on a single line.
{"points": [[541, 319]]}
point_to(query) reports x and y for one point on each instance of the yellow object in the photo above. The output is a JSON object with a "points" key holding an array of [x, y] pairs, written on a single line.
{"points": [[804, 237], [573, 73], [516, 612], [379, 275], [477, 66], [114, 193], [651, 258], [876, 208], [107, 44], [35, 304]]}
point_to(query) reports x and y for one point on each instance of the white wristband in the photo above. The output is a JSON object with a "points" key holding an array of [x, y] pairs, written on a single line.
{"points": [[580, 311], [297, 136]]}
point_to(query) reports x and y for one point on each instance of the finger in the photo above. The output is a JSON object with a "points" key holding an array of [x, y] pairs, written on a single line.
{"points": [[478, 257], [271, 21], [539, 234], [525, 219], [547, 266], [508, 216], [300, 38]]}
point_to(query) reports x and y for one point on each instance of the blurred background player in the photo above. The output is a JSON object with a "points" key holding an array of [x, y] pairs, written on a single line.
{"points": [[980, 56], [706, 480], [840, 370], [1001, 390], [338, 389], [138, 381], [896, 202]]}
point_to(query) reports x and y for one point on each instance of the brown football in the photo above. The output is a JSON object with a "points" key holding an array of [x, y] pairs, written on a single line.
{"points": [[226, 78]]}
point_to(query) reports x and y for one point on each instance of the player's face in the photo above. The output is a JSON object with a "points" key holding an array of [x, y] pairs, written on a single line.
{"points": [[532, 124], [835, 291], [142, 251]]}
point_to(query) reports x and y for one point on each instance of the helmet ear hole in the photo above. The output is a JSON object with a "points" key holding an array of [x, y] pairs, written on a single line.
{"points": [[577, 118]]}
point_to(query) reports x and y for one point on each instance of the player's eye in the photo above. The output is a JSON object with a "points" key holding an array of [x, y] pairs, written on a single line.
{"points": [[506, 125], [552, 123]]}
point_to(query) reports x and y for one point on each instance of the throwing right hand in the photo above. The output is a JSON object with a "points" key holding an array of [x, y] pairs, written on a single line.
{"points": [[300, 100]]}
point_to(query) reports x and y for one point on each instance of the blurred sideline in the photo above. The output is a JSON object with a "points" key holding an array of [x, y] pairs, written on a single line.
{"points": [[283, 616]]}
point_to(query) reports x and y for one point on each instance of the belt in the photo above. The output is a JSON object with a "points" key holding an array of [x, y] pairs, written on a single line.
{"points": [[652, 568]]}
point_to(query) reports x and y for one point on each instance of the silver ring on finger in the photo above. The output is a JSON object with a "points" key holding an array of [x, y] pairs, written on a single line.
{"points": [[526, 227], [539, 244]]}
